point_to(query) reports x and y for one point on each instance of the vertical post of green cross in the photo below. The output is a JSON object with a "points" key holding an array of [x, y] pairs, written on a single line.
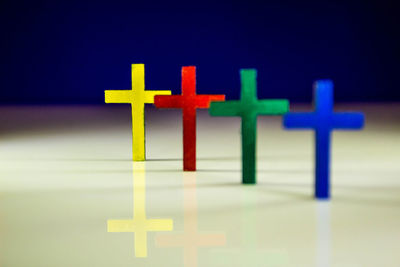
{"points": [[248, 108]]}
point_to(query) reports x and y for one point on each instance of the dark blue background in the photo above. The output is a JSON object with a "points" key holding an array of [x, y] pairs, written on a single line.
{"points": [[71, 51]]}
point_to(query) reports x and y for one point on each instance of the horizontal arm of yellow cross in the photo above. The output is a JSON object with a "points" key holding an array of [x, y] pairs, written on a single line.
{"points": [[149, 95], [159, 225], [119, 96], [119, 226]]}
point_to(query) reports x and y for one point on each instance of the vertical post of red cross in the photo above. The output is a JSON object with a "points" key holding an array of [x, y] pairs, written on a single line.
{"points": [[188, 101], [189, 118]]}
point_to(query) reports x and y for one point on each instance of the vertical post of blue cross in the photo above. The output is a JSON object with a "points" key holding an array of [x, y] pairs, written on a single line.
{"points": [[324, 107], [323, 120]]}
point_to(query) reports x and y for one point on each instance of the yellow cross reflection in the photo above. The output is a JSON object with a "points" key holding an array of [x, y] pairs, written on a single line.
{"points": [[190, 239], [140, 225]]}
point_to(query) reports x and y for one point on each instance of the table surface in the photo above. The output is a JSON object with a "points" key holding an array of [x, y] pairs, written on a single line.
{"points": [[66, 170]]}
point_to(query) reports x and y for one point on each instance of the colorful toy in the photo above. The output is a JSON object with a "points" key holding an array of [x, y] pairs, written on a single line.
{"points": [[188, 101], [323, 120], [248, 108], [137, 97]]}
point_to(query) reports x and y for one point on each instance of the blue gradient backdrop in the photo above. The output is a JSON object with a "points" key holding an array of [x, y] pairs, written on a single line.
{"points": [[71, 51]]}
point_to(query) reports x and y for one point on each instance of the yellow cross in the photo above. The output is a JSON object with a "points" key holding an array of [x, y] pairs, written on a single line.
{"points": [[140, 225], [137, 97]]}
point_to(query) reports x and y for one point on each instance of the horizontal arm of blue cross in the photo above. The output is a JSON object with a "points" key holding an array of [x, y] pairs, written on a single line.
{"points": [[324, 118], [312, 120]]}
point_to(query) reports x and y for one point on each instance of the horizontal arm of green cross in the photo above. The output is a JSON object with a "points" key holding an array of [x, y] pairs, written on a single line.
{"points": [[228, 108], [239, 108], [272, 107]]}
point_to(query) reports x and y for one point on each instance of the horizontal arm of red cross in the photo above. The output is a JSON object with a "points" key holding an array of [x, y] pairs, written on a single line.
{"points": [[179, 101], [168, 101]]}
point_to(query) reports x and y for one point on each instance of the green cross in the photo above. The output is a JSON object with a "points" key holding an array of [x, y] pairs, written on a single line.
{"points": [[248, 108]]}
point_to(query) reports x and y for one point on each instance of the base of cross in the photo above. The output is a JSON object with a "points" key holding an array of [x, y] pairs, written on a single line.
{"points": [[322, 194], [138, 159], [251, 180]]}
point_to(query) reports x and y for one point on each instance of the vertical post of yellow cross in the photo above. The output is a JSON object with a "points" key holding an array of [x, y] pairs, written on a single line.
{"points": [[140, 225], [137, 97]]}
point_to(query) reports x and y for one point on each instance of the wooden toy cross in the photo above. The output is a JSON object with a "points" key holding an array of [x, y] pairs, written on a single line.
{"points": [[137, 97], [323, 120], [188, 101], [190, 239], [248, 108], [140, 225]]}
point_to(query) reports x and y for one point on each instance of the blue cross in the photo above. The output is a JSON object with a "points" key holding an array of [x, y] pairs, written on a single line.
{"points": [[323, 120]]}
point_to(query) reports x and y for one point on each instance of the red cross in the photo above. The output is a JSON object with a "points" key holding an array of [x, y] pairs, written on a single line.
{"points": [[188, 101]]}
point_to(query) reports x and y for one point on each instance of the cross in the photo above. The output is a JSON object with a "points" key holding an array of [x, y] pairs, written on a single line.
{"points": [[137, 97], [190, 239], [323, 120], [140, 225], [248, 108], [188, 101]]}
